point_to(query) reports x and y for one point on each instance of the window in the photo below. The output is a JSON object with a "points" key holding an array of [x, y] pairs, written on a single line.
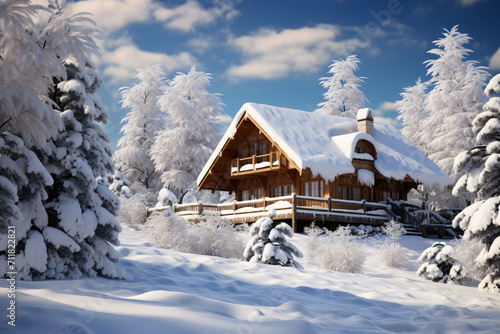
{"points": [[356, 193], [344, 192], [282, 190], [359, 150], [247, 195], [258, 148], [386, 195], [313, 188]]}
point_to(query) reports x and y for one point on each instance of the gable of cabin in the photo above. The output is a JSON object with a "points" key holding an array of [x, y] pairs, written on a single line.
{"points": [[246, 161]]}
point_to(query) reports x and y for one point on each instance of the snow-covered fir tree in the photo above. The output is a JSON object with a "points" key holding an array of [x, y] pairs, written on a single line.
{"points": [[455, 99], [412, 112], [26, 74], [27, 121], [268, 243], [191, 134], [481, 168], [143, 122], [440, 266], [74, 237], [343, 96]]}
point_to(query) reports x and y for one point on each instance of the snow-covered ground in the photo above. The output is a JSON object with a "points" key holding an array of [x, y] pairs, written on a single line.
{"points": [[174, 292]]}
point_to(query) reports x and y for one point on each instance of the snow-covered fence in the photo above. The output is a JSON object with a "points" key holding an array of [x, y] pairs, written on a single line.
{"points": [[289, 207]]}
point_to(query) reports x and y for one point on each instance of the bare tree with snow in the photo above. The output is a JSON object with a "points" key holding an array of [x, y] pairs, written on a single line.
{"points": [[143, 122], [191, 134], [481, 168], [343, 96]]}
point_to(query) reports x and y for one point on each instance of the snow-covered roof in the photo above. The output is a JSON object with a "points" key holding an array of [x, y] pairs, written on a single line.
{"points": [[325, 144]]}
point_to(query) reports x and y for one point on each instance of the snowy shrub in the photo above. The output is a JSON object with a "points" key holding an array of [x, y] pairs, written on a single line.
{"points": [[440, 266], [166, 198], [336, 250], [390, 252], [467, 251], [268, 244], [120, 185], [211, 236], [132, 211]]}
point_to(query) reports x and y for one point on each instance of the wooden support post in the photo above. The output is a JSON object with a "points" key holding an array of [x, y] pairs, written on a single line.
{"points": [[253, 162], [200, 208], [329, 204], [234, 207], [294, 212], [237, 165], [364, 206]]}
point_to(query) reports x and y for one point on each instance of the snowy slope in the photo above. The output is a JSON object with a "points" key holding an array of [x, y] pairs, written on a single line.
{"points": [[174, 292]]}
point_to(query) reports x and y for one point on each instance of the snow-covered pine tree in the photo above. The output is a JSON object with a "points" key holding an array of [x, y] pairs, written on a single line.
{"points": [[82, 225], [455, 99], [412, 113], [343, 96], [268, 243], [440, 266], [27, 120], [143, 122], [191, 134], [481, 168]]}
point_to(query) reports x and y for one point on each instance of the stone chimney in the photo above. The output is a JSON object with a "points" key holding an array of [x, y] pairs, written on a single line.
{"points": [[365, 121]]}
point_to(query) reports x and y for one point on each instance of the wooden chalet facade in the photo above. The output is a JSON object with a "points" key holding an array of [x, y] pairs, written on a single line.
{"points": [[254, 159]]}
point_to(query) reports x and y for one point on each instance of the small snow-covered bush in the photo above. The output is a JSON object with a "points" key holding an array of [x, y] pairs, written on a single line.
{"points": [[132, 211], [335, 250], [467, 251], [390, 252], [268, 244], [211, 236], [440, 266], [166, 198]]}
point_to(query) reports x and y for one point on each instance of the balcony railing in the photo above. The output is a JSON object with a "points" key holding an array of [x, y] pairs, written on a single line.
{"points": [[258, 163]]}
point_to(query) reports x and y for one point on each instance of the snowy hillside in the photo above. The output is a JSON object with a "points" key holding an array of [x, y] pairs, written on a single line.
{"points": [[174, 292]]}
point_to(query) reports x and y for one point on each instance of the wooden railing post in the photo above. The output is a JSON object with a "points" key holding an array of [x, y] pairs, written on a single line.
{"points": [[294, 212], [200, 208], [253, 162], [329, 204], [264, 203], [364, 206], [234, 207], [237, 165]]}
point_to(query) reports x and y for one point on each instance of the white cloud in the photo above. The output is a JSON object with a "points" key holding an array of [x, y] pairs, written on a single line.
{"points": [[469, 2], [272, 54], [495, 61], [380, 116], [188, 16], [113, 15], [121, 63]]}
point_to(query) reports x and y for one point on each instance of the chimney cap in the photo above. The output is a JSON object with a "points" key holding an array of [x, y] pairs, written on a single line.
{"points": [[364, 114]]}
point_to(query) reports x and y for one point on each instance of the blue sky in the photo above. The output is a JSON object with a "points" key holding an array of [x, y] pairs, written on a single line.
{"points": [[275, 51]]}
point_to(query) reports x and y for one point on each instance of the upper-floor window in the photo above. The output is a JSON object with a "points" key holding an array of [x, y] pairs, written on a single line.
{"points": [[359, 150], [258, 148]]}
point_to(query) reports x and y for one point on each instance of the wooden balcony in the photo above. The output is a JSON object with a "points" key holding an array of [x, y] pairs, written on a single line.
{"points": [[258, 163]]}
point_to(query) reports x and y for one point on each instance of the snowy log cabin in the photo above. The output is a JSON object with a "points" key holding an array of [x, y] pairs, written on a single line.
{"points": [[338, 168]]}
